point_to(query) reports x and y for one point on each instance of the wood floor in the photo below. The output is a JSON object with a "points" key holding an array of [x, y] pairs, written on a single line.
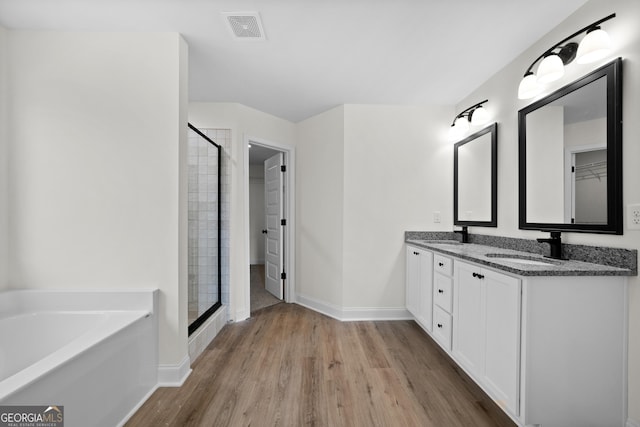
{"points": [[290, 366]]}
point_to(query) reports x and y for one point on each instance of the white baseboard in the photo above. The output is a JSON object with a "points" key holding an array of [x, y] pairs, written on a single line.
{"points": [[241, 315], [202, 337], [346, 314], [366, 313], [174, 375], [632, 423], [320, 306], [138, 406]]}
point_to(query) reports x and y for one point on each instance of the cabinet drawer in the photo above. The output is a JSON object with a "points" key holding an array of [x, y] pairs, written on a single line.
{"points": [[442, 264], [442, 291], [442, 327]]}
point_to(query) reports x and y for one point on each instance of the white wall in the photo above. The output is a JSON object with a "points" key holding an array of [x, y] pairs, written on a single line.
{"points": [[4, 163], [366, 175], [501, 90], [256, 214], [320, 208], [97, 138], [398, 170], [545, 192], [243, 121]]}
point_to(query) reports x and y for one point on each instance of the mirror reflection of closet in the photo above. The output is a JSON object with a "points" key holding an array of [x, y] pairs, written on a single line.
{"points": [[588, 191], [561, 138], [570, 156]]}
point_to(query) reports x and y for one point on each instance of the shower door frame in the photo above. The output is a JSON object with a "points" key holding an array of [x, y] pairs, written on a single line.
{"points": [[209, 312]]}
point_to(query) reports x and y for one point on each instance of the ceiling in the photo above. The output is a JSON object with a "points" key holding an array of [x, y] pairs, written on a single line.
{"points": [[321, 53]]}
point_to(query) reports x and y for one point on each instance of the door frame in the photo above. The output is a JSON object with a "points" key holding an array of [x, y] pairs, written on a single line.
{"points": [[569, 177], [289, 212]]}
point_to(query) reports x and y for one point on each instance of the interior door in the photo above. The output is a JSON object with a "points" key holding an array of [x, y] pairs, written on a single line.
{"points": [[273, 184]]}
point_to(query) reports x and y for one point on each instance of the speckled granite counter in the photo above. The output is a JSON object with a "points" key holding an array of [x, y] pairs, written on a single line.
{"points": [[526, 263]]}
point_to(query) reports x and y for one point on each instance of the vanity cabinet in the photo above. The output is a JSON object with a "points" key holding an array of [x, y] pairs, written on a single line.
{"points": [[548, 349], [486, 330], [419, 285]]}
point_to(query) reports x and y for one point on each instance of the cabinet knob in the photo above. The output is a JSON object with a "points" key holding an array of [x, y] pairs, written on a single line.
{"points": [[416, 253], [440, 291], [478, 275], [441, 264], [439, 325]]}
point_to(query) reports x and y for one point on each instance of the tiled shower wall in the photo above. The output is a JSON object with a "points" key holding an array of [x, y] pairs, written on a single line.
{"points": [[202, 162]]}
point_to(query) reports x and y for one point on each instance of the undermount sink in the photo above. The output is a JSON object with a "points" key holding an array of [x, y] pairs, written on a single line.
{"points": [[439, 242], [520, 259]]}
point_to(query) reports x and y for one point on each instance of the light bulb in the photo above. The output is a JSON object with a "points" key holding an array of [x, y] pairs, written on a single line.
{"points": [[529, 86], [479, 116], [459, 127], [595, 45], [550, 69]]}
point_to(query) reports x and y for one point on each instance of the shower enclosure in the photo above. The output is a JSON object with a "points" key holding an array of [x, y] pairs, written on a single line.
{"points": [[205, 274]]}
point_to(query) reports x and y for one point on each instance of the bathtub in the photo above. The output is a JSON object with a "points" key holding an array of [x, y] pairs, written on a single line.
{"points": [[93, 352]]}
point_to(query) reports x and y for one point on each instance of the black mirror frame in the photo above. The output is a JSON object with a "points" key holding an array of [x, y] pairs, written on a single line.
{"points": [[613, 73], [493, 222]]}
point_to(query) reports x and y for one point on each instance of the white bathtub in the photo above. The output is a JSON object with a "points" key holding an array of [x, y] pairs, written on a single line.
{"points": [[95, 353]]}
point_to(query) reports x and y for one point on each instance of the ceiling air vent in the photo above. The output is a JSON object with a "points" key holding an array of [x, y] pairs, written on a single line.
{"points": [[245, 25]]}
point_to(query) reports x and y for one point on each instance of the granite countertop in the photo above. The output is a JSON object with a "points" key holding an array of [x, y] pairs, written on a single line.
{"points": [[518, 262]]}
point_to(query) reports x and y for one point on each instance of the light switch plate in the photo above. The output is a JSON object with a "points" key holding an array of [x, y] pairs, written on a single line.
{"points": [[436, 217], [633, 216]]}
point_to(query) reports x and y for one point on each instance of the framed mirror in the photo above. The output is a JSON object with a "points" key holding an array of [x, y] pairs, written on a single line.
{"points": [[475, 179], [570, 156]]}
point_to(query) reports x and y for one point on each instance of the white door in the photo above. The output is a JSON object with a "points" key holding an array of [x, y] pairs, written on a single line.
{"points": [[273, 185]]}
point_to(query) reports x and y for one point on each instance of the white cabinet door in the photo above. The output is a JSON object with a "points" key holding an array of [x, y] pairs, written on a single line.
{"points": [[502, 338], [468, 317], [486, 334], [426, 289], [413, 281], [419, 293]]}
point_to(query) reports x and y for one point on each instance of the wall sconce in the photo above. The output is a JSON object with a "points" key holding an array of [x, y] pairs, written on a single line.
{"points": [[594, 46], [476, 115]]}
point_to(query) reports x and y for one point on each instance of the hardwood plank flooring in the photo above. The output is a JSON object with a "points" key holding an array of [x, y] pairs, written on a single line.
{"points": [[290, 366]]}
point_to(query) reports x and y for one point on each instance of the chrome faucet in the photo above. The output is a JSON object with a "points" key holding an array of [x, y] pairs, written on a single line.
{"points": [[555, 245], [464, 233]]}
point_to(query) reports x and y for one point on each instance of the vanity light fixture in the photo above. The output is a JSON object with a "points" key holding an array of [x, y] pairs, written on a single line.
{"points": [[476, 115], [594, 46]]}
